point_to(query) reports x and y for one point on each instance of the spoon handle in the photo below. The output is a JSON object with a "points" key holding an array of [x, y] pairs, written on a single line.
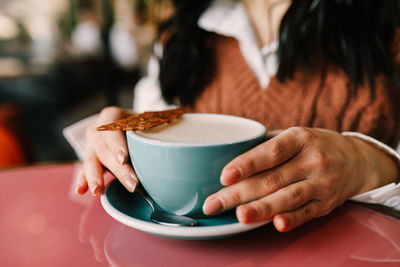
{"points": [[140, 189], [161, 217]]}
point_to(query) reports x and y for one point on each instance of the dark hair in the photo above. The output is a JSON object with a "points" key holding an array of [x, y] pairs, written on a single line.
{"points": [[356, 35]]}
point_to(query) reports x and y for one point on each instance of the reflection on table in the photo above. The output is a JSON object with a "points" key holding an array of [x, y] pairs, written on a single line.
{"points": [[44, 223]]}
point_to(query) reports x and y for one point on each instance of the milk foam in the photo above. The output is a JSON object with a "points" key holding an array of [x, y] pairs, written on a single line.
{"points": [[205, 128]]}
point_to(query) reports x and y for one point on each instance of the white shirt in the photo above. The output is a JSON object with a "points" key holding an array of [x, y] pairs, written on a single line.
{"points": [[229, 18]]}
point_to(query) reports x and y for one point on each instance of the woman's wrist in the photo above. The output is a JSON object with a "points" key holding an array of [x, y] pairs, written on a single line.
{"points": [[381, 168]]}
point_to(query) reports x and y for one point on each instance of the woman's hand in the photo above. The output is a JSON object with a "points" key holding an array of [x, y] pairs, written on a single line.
{"points": [[105, 150], [299, 174]]}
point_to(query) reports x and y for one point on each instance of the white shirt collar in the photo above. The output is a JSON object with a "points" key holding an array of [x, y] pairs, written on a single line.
{"points": [[229, 18]]}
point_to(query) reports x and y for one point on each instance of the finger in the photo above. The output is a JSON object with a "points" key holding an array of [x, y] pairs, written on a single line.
{"points": [[289, 220], [265, 156], [93, 172], [114, 139], [258, 186], [110, 114], [103, 153], [288, 198], [81, 185], [123, 172], [273, 133], [98, 249], [83, 230]]}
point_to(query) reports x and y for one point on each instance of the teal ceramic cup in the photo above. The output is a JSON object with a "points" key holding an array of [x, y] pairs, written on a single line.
{"points": [[180, 175]]}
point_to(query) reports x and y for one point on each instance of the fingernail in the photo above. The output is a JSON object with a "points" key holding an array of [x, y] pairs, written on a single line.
{"points": [[79, 190], [230, 176], [95, 188], [279, 223], [213, 205], [130, 184], [121, 156]]}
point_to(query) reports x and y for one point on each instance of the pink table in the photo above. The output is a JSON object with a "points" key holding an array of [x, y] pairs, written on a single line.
{"points": [[43, 223]]}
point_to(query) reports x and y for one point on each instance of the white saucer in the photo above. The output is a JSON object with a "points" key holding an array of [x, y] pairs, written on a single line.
{"points": [[132, 210]]}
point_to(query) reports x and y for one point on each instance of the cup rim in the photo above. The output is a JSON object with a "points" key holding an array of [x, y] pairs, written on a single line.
{"points": [[261, 132]]}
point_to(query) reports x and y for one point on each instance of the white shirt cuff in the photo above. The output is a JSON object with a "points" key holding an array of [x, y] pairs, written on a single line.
{"points": [[388, 195]]}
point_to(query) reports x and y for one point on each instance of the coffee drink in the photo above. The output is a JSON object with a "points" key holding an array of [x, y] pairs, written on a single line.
{"points": [[204, 129]]}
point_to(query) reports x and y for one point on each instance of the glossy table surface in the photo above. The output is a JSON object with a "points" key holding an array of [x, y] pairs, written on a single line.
{"points": [[43, 223]]}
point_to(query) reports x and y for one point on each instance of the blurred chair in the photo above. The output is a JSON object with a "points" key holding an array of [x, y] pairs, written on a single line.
{"points": [[13, 147]]}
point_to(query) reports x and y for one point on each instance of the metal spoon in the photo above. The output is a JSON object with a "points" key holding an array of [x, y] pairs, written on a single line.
{"points": [[161, 217]]}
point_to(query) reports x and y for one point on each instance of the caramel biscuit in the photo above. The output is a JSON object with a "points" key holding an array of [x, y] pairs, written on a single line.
{"points": [[143, 121]]}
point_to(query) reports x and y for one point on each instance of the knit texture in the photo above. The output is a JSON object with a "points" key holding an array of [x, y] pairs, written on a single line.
{"points": [[306, 100]]}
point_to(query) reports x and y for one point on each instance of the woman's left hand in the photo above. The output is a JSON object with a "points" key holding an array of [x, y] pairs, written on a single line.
{"points": [[299, 174]]}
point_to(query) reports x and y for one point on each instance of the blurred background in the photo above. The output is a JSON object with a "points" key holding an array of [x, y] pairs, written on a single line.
{"points": [[62, 60]]}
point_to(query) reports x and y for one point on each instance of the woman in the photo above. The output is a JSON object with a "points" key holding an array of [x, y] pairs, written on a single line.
{"points": [[333, 67]]}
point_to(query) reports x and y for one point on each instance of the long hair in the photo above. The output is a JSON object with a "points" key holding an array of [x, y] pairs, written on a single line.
{"points": [[355, 35]]}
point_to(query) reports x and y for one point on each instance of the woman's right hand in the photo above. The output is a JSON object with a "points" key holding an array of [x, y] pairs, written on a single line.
{"points": [[105, 151]]}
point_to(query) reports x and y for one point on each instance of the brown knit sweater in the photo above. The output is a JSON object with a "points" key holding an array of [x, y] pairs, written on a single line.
{"points": [[306, 100]]}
